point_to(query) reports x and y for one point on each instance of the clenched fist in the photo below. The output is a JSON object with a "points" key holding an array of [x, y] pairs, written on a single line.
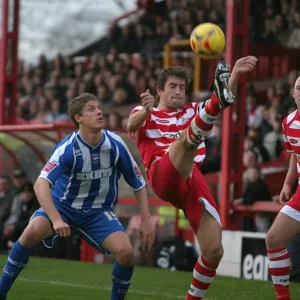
{"points": [[61, 228], [147, 101]]}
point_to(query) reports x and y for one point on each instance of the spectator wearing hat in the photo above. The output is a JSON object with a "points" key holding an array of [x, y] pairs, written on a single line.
{"points": [[19, 177]]}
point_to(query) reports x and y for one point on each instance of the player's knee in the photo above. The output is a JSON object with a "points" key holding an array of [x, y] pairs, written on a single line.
{"points": [[273, 240], [214, 253], [31, 236], [124, 255]]}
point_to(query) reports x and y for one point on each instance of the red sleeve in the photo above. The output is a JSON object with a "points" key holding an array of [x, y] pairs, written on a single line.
{"points": [[287, 144], [134, 135], [136, 109]]}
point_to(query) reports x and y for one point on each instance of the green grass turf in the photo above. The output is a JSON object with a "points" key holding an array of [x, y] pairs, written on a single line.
{"points": [[45, 279]]}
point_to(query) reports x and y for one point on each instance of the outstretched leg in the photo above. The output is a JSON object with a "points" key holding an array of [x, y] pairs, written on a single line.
{"points": [[284, 228], [38, 229], [210, 240], [182, 152]]}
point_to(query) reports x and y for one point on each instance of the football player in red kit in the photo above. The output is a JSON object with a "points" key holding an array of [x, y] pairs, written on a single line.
{"points": [[171, 141]]}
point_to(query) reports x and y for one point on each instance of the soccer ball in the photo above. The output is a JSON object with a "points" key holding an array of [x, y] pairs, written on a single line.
{"points": [[208, 40]]}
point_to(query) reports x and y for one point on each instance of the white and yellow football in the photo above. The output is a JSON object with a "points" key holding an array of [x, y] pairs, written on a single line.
{"points": [[208, 40]]}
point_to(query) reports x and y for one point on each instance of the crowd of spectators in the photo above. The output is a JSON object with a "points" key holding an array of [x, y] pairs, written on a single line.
{"points": [[125, 64], [275, 22], [128, 59]]}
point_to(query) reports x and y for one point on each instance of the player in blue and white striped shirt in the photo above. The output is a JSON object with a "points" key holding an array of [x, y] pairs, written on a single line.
{"points": [[78, 188]]}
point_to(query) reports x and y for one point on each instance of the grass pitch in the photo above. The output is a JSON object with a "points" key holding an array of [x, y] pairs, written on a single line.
{"points": [[48, 279]]}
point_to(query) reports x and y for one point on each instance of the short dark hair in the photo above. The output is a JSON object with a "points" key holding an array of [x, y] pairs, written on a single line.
{"points": [[77, 104], [27, 187], [180, 72]]}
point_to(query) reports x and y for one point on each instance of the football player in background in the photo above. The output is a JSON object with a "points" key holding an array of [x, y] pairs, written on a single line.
{"points": [[287, 223]]}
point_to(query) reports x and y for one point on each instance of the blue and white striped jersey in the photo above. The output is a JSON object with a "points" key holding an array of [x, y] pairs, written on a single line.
{"points": [[86, 177]]}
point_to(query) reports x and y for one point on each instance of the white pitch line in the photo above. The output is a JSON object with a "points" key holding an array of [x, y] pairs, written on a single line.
{"points": [[131, 291]]}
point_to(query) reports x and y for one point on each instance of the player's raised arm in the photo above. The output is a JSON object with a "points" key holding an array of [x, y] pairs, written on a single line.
{"points": [[138, 118], [242, 65]]}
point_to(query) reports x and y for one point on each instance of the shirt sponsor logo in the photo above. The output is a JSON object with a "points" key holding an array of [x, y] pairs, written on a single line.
{"points": [[293, 141], [172, 135], [50, 165], [87, 176]]}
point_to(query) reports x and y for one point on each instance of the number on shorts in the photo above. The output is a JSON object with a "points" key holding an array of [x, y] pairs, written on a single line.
{"points": [[110, 216]]}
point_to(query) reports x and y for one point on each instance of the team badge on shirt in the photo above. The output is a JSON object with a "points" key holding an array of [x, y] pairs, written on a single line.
{"points": [[95, 157], [50, 165]]}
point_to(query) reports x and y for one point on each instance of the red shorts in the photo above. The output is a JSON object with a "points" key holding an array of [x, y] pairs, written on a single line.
{"points": [[190, 196], [295, 200]]}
